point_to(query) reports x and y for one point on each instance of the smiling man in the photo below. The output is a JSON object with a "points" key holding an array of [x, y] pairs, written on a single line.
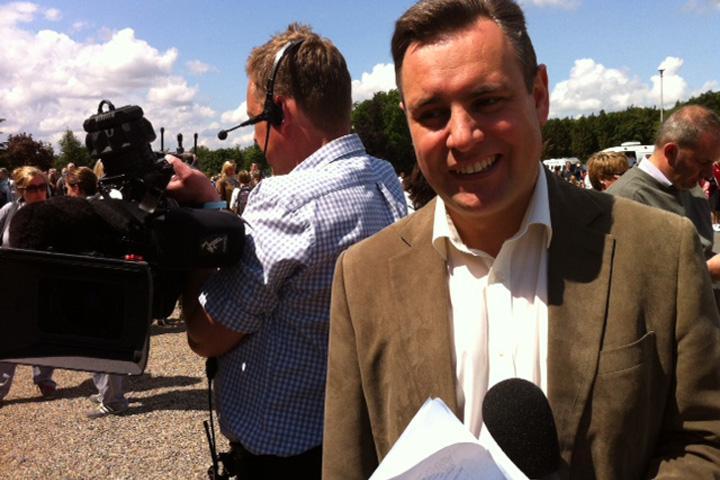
{"points": [[512, 272]]}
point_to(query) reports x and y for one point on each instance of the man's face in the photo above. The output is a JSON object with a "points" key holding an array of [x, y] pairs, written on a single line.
{"points": [[475, 128], [689, 165], [274, 151]]}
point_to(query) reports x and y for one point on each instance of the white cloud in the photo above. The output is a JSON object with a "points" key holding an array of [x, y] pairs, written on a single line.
{"points": [[52, 14], [174, 91], [381, 79], [712, 85], [50, 82], [197, 67], [241, 137], [17, 12], [593, 87], [80, 26], [235, 116]]}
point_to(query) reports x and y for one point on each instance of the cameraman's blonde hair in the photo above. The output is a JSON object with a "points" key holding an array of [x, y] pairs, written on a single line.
{"points": [[315, 75]]}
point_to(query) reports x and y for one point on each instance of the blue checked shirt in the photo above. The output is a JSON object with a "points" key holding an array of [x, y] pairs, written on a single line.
{"points": [[270, 388]]}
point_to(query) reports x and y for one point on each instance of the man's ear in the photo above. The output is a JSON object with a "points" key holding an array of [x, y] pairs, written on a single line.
{"points": [[288, 115], [541, 94], [670, 150]]}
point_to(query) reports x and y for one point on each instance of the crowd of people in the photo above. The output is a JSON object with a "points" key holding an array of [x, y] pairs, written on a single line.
{"points": [[345, 313]]}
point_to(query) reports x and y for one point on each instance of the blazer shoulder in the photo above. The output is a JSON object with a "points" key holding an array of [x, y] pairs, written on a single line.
{"points": [[629, 214], [395, 238]]}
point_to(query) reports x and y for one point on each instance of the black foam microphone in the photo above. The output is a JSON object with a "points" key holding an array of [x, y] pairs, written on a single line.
{"points": [[518, 416], [222, 134], [62, 224]]}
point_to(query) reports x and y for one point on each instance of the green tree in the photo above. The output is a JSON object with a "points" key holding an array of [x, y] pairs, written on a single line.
{"points": [[253, 154], [72, 151], [381, 125], [211, 161], [556, 138], [583, 141], [637, 124], [23, 150], [708, 99]]}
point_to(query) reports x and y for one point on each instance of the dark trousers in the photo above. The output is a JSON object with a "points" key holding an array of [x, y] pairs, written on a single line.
{"points": [[307, 465]]}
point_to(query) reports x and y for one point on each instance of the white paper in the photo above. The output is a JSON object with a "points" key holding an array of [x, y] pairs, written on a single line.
{"points": [[437, 446]]}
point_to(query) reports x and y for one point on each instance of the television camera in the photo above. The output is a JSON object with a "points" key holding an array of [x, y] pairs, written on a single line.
{"points": [[88, 304]]}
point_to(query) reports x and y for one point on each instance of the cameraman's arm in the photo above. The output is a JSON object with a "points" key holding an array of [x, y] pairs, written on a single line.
{"points": [[189, 186], [206, 337]]}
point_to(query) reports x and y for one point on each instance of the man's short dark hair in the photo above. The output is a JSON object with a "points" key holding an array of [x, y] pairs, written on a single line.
{"points": [[315, 75], [687, 125], [430, 20]]}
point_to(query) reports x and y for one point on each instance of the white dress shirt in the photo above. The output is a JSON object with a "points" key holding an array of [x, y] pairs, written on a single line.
{"points": [[648, 167], [498, 305]]}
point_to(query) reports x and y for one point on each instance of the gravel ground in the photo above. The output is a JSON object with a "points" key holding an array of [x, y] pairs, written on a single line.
{"points": [[160, 436]]}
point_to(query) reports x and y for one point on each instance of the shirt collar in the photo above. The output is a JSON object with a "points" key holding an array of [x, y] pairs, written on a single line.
{"points": [[537, 213], [648, 167], [340, 147]]}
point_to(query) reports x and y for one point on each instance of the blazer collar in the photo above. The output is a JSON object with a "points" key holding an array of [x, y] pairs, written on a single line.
{"points": [[420, 286]]}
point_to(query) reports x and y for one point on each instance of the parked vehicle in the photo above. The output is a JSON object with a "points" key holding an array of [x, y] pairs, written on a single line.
{"points": [[560, 162], [634, 151]]}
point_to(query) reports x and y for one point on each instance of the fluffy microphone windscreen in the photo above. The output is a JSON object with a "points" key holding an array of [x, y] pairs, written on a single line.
{"points": [[518, 415], [60, 224]]}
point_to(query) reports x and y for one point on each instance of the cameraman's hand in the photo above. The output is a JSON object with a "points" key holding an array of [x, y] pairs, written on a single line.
{"points": [[189, 186]]}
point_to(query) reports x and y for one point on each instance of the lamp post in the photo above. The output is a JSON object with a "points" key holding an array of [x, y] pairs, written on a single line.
{"points": [[662, 104]]}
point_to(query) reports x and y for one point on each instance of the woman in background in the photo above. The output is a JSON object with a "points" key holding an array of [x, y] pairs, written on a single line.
{"points": [[32, 186], [227, 182], [604, 168]]}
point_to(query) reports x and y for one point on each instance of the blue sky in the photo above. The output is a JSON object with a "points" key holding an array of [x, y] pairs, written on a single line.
{"points": [[183, 61]]}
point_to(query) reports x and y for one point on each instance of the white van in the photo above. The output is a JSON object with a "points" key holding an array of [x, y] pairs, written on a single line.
{"points": [[633, 151]]}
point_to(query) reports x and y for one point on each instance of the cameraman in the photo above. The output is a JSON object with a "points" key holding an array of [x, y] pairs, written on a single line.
{"points": [[266, 319]]}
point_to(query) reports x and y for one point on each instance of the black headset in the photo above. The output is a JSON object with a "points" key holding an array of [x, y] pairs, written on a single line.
{"points": [[272, 112]]}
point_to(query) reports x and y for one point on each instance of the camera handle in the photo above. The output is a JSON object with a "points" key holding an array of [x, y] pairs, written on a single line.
{"points": [[109, 105]]}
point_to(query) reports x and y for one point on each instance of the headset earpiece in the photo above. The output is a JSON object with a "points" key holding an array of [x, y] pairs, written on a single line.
{"points": [[272, 111]]}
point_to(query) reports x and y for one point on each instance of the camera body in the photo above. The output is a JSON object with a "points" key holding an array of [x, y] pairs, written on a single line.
{"points": [[154, 227], [121, 139]]}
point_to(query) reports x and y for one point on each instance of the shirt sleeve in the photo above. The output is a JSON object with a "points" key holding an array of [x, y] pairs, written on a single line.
{"points": [[278, 245]]}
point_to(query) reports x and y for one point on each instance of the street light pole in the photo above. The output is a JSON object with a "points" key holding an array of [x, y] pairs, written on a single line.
{"points": [[662, 104]]}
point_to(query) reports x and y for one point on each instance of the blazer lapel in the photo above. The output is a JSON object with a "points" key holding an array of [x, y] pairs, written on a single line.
{"points": [[425, 327], [579, 271]]}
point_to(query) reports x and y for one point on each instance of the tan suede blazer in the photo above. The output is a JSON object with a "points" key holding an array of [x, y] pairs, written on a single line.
{"points": [[633, 354]]}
